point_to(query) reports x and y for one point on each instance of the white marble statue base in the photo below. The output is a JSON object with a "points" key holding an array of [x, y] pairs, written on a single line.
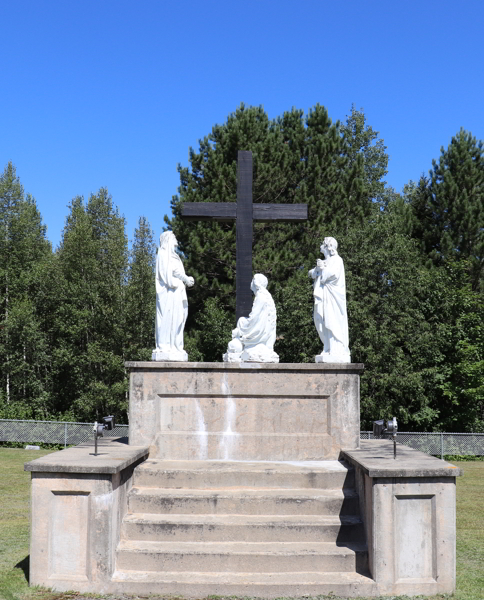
{"points": [[171, 355], [232, 357], [327, 357], [258, 354]]}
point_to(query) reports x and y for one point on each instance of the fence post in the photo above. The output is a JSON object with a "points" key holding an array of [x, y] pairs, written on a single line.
{"points": [[441, 445], [65, 436]]}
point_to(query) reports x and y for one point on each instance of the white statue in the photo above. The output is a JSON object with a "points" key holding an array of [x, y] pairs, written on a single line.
{"points": [[330, 315], [171, 301], [253, 339]]}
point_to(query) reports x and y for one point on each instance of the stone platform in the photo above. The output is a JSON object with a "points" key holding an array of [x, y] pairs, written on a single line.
{"points": [[247, 411], [362, 526], [246, 480]]}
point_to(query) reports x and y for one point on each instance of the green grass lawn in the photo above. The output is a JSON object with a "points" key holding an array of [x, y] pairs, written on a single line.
{"points": [[14, 531]]}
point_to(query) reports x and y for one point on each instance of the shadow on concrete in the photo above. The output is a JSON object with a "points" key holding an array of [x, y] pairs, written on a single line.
{"points": [[25, 566], [122, 440], [352, 534]]}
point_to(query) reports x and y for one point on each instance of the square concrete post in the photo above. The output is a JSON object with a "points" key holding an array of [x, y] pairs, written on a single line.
{"points": [[408, 508], [78, 502]]}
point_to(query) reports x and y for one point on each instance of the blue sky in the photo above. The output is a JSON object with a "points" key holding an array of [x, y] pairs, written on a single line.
{"points": [[112, 94]]}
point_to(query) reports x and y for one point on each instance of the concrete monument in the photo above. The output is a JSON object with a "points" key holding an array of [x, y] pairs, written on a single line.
{"points": [[330, 315], [253, 338], [244, 477], [171, 301]]}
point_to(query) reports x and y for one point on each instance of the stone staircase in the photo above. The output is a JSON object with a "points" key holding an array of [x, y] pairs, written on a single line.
{"points": [[195, 528]]}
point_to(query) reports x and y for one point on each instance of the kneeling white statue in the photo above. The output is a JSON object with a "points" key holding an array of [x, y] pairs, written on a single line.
{"points": [[254, 337], [171, 301], [330, 315]]}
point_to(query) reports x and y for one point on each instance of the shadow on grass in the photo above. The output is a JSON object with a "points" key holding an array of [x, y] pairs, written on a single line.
{"points": [[25, 566]]}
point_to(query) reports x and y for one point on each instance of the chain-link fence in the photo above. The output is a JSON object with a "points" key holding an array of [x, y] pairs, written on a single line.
{"points": [[52, 432], [439, 444], [70, 433]]}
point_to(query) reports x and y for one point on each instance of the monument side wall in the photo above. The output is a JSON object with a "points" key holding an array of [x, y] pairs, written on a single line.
{"points": [[407, 505], [78, 502]]}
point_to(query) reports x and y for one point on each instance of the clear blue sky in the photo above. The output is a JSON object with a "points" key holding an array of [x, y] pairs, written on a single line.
{"points": [[113, 93]]}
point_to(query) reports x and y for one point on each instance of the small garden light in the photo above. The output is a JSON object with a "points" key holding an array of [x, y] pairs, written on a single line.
{"points": [[108, 423], [382, 427]]}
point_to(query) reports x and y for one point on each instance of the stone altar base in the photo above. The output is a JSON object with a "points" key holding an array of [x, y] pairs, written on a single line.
{"points": [[211, 511], [244, 411]]}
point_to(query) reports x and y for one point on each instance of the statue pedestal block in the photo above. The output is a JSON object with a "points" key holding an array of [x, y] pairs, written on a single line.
{"points": [[248, 411]]}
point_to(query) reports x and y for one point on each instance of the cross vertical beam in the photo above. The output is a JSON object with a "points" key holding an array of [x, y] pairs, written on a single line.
{"points": [[244, 212], [243, 273]]}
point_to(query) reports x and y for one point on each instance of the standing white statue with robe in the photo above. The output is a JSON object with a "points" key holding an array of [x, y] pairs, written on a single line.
{"points": [[254, 337], [330, 317], [171, 301]]}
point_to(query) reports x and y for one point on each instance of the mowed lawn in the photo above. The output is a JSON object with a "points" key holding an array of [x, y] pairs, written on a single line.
{"points": [[14, 531]]}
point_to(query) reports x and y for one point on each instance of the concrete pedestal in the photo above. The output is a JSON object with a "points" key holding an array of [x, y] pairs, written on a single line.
{"points": [[78, 504], [408, 507], [247, 411]]}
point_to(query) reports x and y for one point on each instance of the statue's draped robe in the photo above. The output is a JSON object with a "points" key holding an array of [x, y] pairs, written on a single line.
{"points": [[330, 315], [260, 326], [171, 301]]}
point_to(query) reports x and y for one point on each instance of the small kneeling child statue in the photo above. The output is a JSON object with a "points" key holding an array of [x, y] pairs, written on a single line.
{"points": [[254, 337]]}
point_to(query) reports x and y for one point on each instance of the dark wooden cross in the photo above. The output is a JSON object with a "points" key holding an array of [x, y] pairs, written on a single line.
{"points": [[244, 212]]}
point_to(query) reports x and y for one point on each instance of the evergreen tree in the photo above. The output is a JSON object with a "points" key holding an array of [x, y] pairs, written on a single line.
{"points": [[24, 348], [448, 206], [296, 160], [89, 353], [141, 295]]}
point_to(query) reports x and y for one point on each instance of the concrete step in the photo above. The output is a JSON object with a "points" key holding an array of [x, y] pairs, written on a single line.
{"points": [[241, 475], [248, 501], [246, 557], [242, 528], [187, 445], [193, 584]]}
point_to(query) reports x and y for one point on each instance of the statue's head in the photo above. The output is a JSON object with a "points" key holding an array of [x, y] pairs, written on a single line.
{"points": [[329, 246], [168, 241], [259, 281]]}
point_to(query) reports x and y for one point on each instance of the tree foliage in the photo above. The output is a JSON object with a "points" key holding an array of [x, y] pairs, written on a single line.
{"points": [[296, 159], [139, 323], [24, 343], [362, 141], [448, 206], [69, 319]]}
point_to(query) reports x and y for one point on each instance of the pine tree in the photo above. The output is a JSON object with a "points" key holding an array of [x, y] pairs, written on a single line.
{"points": [[448, 206], [296, 160]]}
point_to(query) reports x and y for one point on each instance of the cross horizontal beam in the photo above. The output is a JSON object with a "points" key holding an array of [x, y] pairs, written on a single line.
{"points": [[244, 212], [227, 211]]}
